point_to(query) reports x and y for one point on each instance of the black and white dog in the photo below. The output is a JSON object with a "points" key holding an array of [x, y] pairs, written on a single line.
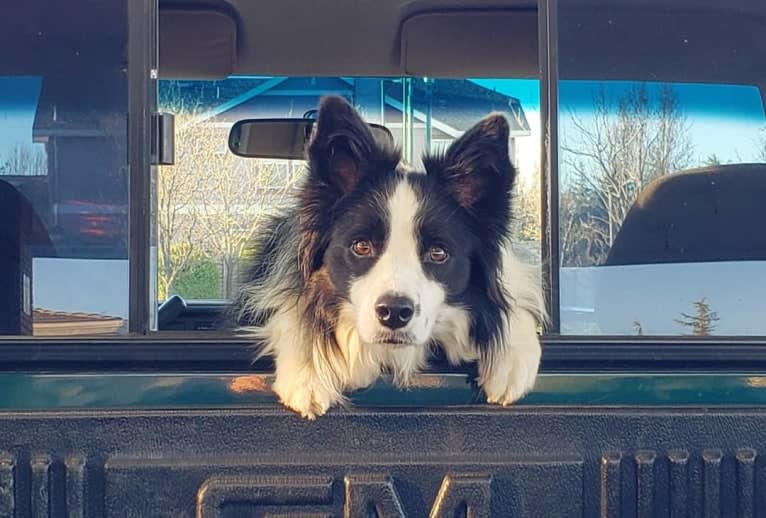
{"points": [[377, 264]]}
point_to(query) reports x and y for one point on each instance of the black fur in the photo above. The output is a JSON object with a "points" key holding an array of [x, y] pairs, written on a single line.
{"points": [[477, 172]]}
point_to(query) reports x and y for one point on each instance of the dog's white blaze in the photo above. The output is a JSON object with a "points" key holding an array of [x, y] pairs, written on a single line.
{"points": [[398, 270]]}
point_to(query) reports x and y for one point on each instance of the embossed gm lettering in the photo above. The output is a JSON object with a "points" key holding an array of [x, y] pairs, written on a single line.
{"points": [[363, 491]]}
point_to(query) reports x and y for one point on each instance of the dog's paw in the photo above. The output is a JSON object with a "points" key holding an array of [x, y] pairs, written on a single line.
{"points": [[511, 375], [304, 395]]}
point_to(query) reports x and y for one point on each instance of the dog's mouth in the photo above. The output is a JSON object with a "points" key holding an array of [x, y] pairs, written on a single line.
{"points": [[395, 339]]}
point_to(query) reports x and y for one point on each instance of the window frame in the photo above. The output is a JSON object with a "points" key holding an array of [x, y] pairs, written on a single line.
{"points": [[143, 63], [674, 351], [210, 351], [549, 182], [178, 351]]}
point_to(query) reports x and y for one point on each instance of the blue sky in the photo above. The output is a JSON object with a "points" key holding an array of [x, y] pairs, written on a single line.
{"points": [[18, 102], [731, 101], [656, 294], [725, 120], [527, 91]]}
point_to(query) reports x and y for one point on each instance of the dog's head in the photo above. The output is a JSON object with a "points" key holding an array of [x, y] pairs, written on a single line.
{"points": [[403, 248]]}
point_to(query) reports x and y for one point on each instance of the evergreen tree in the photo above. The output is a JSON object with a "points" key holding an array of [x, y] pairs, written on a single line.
{"points": [[703, 322]]}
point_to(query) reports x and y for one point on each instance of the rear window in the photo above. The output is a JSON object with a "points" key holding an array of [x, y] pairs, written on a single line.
{"points": [[211, 201]]}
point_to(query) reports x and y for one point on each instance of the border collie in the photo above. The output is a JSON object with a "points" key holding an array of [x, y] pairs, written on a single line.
{"points": [[377, 264]]}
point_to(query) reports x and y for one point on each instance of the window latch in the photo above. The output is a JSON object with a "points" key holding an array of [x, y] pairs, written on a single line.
{"points": [[163, 139]]}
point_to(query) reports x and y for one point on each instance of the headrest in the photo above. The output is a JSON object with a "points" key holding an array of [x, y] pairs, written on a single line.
{"points": [[702, 215]]}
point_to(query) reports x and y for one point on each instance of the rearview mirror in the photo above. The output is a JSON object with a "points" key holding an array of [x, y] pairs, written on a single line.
{"points": [[283, 138]]}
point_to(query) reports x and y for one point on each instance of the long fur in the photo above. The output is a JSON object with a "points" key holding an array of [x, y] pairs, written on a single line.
{"points": [[293, 303]]}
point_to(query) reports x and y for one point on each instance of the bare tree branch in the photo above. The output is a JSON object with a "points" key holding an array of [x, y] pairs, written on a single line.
{"points": [[615, 154]]}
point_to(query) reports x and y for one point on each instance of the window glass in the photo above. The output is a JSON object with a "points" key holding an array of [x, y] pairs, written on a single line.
{"points": [[63, 169], [662, 171], [210, 201]]}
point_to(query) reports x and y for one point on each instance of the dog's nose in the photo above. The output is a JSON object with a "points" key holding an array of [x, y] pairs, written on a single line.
{"points": [[394, 311]]}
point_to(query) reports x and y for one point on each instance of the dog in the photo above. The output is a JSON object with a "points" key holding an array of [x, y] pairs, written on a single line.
{"points": [[376, 264]]}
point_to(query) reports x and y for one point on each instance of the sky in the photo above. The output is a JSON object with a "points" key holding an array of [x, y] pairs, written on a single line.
{"points": [[725, 120], [609, 300], [527, 91], [18, 103]]}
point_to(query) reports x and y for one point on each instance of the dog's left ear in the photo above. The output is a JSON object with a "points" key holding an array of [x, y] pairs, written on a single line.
{"points": [[341, 151], [342, 145], [477, 166]]}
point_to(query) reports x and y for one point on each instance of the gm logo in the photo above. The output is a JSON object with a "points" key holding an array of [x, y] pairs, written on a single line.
{"points": [[460, 494], [249, 487]]}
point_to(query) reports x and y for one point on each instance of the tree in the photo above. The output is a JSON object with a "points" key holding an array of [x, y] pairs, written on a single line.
{"points": [[199, 279], [176, 186], [238, 195], [580, 217], [614, 155], [25, 160], [211, 201], [712, 160], [527, 208], [702, 323]]}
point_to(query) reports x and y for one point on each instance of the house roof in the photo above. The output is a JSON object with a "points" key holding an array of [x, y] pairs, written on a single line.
{"points": [[460, 103], [47, 322]]}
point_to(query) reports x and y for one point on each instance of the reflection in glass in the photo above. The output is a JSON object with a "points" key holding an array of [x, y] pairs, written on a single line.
{"points": [[63, 169]]}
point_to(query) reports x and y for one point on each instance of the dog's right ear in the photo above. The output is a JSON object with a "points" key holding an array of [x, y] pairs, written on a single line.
{"points": [[476, 168], [342, 145]]}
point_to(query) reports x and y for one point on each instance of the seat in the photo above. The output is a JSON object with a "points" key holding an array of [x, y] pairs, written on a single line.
{"points": [[701, 215]]}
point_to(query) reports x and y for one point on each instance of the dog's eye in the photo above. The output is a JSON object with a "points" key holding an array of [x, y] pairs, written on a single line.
{"points": [[362, 248], [437, 254]]}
